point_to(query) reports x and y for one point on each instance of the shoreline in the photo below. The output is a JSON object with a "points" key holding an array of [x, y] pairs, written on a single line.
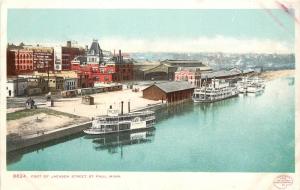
{"points": [[58, 133], [63, 130], [272, 75]]}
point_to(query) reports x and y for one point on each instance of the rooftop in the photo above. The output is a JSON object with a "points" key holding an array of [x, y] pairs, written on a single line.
{"points": [[95, 49], [173, 86], [194, 69], [220, 74]]}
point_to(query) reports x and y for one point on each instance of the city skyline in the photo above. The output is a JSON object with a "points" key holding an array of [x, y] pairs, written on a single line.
{"points": [[214, 30]]}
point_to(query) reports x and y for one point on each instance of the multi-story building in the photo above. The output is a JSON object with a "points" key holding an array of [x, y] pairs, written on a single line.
{"points": [[94, 54], [43, 58], [190, 74], [19, 61], [68, 53], [97, 66], [26, 59]]}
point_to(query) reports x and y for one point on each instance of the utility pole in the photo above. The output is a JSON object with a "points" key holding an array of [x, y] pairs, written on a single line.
{"points": [[17, 83], [48, 74]]}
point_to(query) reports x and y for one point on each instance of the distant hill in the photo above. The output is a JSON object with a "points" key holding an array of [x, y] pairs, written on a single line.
{"points": [[219, 61]]}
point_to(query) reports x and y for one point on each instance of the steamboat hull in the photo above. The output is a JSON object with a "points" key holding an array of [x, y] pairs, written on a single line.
{"points": [[214, 100], [96, 132]]}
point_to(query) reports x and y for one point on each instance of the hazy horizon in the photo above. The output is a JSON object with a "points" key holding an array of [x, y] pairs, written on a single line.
{"points": [[157, 30]]}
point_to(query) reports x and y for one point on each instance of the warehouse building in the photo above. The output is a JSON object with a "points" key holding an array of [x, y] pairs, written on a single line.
{"points": [[172, 91]]}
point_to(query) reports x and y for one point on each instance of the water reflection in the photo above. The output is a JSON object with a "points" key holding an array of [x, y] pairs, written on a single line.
{"points": [[16, 156], [112, 142], [173, 111], [291, 81], [207, 107]]}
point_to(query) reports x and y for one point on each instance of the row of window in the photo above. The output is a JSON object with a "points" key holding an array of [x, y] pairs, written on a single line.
{"points": [[24, 67], [71, 83], [25, 56], [184, 77], [25, 61]]}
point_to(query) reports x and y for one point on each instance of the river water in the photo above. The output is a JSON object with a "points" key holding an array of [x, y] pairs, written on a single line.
{"points": [[242, 134]]}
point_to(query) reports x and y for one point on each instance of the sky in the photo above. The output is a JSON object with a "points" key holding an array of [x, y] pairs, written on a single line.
{"points": [[157, 30]]}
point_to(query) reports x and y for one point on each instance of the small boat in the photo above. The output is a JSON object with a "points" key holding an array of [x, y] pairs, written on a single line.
{"points": [[217, 90], [114, 122]]}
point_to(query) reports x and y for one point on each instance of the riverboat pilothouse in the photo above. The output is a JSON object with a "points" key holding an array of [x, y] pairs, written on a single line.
{"points": [[215, 91], [114, 122]]}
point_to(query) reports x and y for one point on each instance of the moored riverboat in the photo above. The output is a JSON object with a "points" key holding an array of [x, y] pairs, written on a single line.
{"points": [[114, 122], [217, 90], [251, 85]]}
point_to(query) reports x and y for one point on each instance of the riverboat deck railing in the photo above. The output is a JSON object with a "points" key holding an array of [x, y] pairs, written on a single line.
{"points": [[116, 122]]}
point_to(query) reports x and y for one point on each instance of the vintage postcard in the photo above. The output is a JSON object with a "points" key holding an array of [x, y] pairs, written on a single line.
{"points": [[140, 95]]}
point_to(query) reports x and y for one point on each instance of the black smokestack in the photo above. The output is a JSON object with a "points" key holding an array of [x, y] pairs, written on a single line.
{"points": [[120, 55], [110, 107], [122, 107], [128, 107], [69, 44]]}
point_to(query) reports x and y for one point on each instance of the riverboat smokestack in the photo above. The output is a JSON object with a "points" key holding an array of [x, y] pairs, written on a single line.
{"points": [[128, 106], [110, 107], [214, 82], [122, 107]]}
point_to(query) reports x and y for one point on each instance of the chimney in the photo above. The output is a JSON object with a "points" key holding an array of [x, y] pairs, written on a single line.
{"points": [[122, 107], [120, 54], [69, 44], [110, 107], [114, 52], [128, 106]]}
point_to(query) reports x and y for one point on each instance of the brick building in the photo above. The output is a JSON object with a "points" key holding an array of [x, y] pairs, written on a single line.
{"points": [[92, 67], [190, 74], [43, 58], [68, 53], [170, 91], [19, 61]]}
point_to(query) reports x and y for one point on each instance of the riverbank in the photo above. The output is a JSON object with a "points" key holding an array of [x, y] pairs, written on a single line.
{"points": [[241, 134], [33, 121], [271, 75], [29, 127]]}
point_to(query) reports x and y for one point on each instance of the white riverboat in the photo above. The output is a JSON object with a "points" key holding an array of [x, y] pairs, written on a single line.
{"points": [[251, 85], [255, 88], [256, 85], [114, 122], [217, 90], [242, 85]]}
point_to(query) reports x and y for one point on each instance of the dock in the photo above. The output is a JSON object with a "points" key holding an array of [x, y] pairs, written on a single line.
{"points": [[14, 144]]}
